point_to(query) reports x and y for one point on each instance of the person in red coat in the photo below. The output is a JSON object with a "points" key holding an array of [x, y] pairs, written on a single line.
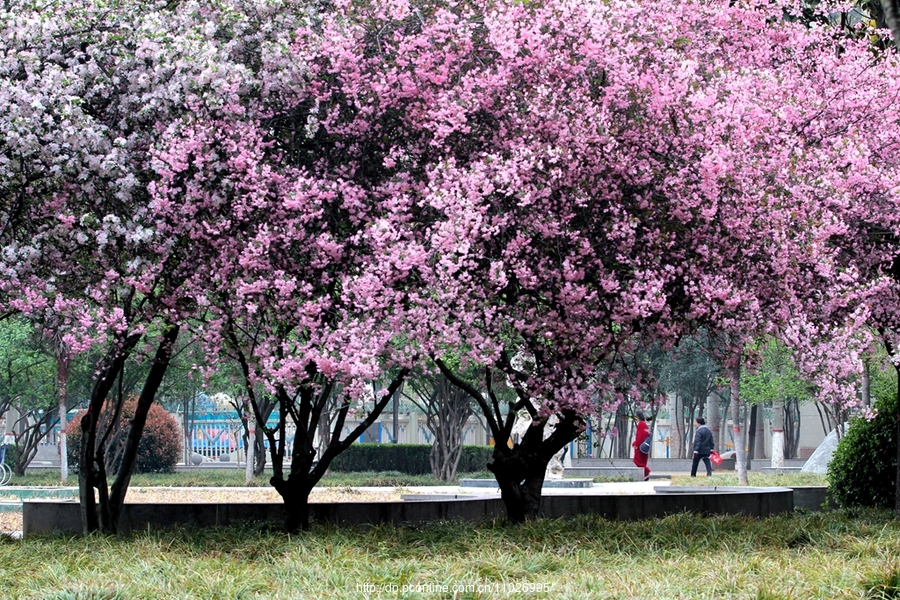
{"points": [[643, 432]]}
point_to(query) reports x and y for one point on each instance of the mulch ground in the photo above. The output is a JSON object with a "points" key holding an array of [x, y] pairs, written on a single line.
{"points": [[12, 521]]}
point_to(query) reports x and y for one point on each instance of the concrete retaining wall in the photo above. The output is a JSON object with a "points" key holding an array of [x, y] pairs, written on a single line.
{"points": [[813, 498], [41, 516]]}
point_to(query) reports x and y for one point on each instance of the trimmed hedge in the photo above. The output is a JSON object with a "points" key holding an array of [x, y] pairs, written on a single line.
{"points": [[411, 459], [158, 450]]}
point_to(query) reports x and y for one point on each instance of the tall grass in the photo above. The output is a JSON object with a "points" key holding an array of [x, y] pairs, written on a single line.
{"points": [[813, 555]]}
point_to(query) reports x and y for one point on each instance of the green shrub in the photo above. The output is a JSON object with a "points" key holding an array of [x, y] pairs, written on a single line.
{"points": [[863, 470], [160, 446], [410, 459]]}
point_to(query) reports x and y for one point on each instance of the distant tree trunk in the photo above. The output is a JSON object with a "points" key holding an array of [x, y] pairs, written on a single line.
{"points": [[676, 427], [865, 385], [778, 434], [897, 437], [255, 438], [62, 396], [446, 419], [891, 10], [739, 454], [35, 426], [759, 446], [715, 418], [250, 445], [623, 432], [447, 409], [751, 430]]}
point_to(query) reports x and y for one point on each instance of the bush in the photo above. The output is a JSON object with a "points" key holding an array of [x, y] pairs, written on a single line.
{"points": [[410, 459], [160, 446], [863, 470]]}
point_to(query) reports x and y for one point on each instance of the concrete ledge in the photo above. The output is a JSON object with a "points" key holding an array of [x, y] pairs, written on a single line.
{"points": [[632, 472], [44, 516], [813, 498], [751, 502], [23, 492], [778, 470], [548, 483]]}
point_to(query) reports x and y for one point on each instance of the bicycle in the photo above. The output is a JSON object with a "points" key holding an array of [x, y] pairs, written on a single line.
{"points": [[5, 471]]}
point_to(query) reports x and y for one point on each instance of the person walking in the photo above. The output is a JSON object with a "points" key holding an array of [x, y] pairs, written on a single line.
{"points": [[703, 446], [643, 432]]}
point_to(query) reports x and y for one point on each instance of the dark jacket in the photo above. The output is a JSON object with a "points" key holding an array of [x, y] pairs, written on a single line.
{"points": [[703, 441]]}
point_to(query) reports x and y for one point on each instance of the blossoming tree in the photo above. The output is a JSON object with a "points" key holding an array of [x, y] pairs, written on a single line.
{"points": [[84, 94]]}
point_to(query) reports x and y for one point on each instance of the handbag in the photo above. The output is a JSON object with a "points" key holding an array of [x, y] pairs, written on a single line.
{"points": [[715, 458], [645, 445]]}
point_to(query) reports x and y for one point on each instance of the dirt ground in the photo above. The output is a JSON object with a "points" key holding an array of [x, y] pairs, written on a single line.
{"points": [[12, 521]]}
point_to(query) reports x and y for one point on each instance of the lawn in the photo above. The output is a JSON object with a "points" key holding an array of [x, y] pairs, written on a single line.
{"points": [[837, 554], [235, 478], [807, 555]]}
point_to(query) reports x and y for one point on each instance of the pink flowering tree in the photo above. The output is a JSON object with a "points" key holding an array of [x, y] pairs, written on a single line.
{"points": [[305, 292], [581, 173], [698, 183], [86, 92]]}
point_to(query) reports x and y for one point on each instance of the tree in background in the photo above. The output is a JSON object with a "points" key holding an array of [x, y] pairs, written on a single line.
{"points": [[447, 409], [776, 382], [690, 372]]}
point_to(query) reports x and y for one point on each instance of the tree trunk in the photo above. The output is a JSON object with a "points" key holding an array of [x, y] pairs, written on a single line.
{"points": [[297, 514], [148, 394], [751, 430], [62, 397], [623, 433], [520, 476], [778, 434], [897, 441], [759, 447], [714, 418], [295, 493], [250, 445], [740, 456], [259, 461], [92, 468], [520, 470], [865, 385], [891, 10]]}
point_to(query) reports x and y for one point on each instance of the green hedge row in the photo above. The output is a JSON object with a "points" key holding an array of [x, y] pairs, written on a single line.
{"points": [[411, 459]]}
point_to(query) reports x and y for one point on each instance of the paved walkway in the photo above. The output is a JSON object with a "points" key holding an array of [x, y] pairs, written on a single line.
{"points": [[598, 489]]}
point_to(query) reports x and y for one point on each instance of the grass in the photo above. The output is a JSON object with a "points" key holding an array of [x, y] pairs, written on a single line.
{"points": [[813, 555], [754, 479], [235, 478]]}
